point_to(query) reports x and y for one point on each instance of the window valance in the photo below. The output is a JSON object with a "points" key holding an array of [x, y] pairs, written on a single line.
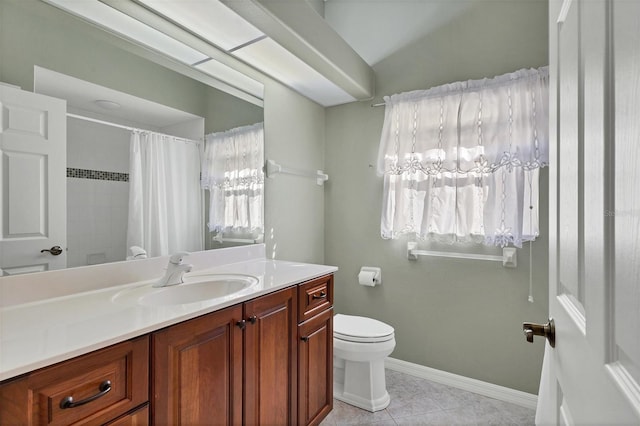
{"points": [[461, 161], [232, 170]]}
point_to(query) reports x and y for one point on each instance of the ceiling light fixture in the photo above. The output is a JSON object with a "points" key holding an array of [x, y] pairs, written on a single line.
{"points": [[211, 20], [215, 22], [106, 104], [115, 21], [218, 40], [163, 40], [278, 62], [227, 74]]}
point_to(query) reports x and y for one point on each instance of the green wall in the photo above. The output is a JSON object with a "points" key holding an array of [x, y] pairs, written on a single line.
{"points": [[294, 206], [460, 316]]}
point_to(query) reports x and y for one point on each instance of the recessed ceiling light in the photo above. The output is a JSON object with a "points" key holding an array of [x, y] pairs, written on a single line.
{"points": [[107, 104]]}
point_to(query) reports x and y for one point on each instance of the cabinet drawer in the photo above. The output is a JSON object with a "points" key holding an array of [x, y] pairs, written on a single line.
{"points": [[314, 297], [98, 387]]}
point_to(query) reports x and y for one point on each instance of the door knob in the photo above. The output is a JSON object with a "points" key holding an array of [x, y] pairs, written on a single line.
{"points": [[55, 250], [547, 330]]}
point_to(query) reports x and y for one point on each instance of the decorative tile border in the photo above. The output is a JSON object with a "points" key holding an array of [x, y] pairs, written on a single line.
{"points": [[97, 175]]}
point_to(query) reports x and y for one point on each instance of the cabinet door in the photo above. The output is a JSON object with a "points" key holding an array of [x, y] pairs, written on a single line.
{"points": [[315, 368], [138, 417], [270, 359], [197, 371]]}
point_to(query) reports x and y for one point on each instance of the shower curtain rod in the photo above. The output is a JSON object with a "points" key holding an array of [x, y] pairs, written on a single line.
{"points": [[120, 126]]}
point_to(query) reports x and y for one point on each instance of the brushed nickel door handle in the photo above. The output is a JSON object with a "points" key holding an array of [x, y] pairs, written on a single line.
{"points": [[55, 250], [547, 330]]}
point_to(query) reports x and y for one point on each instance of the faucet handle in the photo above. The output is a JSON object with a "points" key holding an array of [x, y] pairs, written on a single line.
{"points": [[177, 258]]}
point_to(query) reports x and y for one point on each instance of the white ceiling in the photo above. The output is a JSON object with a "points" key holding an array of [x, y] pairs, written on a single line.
{"points": [[377, 28]]}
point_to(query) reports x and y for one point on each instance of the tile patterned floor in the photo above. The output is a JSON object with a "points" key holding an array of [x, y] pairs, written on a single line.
{"points": [[416, 401]]}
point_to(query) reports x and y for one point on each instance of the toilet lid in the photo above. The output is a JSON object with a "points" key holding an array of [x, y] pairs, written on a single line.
{"points": [[360, 329]]}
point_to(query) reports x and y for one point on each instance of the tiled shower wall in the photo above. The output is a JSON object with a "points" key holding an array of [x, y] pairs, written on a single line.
{"points": [[97, 193]]}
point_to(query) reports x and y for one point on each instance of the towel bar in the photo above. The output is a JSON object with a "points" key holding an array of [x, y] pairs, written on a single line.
{"points": [[508, 257], [274, 168]]}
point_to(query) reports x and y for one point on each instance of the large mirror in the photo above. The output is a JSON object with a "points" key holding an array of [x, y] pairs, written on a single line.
{"points": [[115, 91]]}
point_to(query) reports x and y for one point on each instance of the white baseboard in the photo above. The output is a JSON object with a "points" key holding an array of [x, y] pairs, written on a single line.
{"points": [[501, 393]]}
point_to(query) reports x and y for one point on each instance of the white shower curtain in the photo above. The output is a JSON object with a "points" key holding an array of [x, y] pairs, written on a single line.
{"points": [[165, 199]]}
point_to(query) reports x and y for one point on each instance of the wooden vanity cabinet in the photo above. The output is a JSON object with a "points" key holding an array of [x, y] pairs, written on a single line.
{"points": [[234, 366], [270, 391], [315, 350], [98, 387], [138, 417], [267, 361], [197, 371]]}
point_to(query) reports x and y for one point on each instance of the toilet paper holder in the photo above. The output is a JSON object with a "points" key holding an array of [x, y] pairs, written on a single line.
{"points": [[366, 273]]}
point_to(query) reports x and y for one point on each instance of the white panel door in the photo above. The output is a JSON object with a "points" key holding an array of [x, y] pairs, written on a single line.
{"points": [[594, 281], [32, 181]]}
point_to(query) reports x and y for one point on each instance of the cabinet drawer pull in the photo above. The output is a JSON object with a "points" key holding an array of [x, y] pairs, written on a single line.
{"points": [[322, 295], [252, 319], [242, 324], [68, 402]]}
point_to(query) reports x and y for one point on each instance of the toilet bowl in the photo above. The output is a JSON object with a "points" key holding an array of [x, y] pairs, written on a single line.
{"points": [[360, 346]]}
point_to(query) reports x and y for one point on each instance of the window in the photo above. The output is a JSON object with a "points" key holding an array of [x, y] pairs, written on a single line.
{"points": [[232, 172], [461, 161]]}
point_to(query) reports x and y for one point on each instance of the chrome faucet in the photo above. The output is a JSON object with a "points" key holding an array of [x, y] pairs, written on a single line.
{"points": [[175, 271]]}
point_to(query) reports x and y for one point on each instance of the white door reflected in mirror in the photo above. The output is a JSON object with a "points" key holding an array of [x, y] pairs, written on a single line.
{"points": [[33, 143]]}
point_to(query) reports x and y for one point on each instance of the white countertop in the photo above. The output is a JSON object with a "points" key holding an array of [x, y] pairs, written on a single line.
{"points": [[42, 332]]}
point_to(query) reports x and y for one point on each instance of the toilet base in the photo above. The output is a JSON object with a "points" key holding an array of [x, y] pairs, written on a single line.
{"points": [[357, 401], [361, 384]]}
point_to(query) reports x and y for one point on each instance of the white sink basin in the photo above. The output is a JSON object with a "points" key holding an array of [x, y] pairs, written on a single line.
{"points": [[195, 288]]}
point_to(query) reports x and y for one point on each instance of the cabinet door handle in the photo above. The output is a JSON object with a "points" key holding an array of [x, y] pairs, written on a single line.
{"points": [[68, 402], [305, 338], [242, 324], [322, 295], [252, 319]]}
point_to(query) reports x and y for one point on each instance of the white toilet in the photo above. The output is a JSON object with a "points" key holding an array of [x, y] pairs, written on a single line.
{"points": [[360, 346]]}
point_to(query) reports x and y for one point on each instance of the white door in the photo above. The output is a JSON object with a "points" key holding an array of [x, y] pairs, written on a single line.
{"points": [[594, 282], [33, 139]]}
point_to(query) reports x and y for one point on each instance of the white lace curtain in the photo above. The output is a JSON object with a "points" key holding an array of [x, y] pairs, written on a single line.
{"points": [[165, 199], [232, 172], [461, 161]]}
